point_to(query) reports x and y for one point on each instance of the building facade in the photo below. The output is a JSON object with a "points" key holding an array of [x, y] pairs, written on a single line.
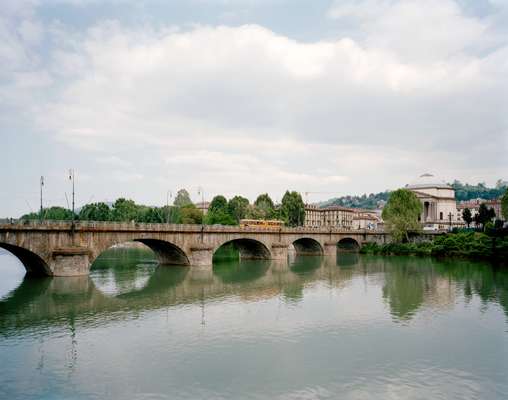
{"points": [[438, 200], [333, 216]]}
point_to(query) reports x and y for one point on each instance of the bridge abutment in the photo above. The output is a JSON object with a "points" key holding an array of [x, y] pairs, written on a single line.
{"points": [[330, 250], [279, 251]]}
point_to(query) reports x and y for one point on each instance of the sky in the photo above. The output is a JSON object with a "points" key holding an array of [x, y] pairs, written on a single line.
{"points": [[142, 98]]}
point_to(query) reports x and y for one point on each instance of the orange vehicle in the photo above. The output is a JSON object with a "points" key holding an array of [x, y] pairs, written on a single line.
{"points": [[262, 223]]}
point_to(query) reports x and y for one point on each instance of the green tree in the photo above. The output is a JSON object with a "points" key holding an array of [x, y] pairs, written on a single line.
{"points": [[182, 198], [484, 215], [95, 212], [124, 210], [467, 216], [263, 208], [401, 214], [504, 205], [238, 207], [218, 212], [293, 209], [53, 213], [190, 214]]}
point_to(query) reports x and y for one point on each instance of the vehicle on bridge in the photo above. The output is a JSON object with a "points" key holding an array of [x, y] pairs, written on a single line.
{"points": [[262, 223]]}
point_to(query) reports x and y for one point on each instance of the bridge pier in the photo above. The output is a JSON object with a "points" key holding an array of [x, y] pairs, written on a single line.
{"points": [[330, 250], [201, 256], [279, 251], [70, 261]]}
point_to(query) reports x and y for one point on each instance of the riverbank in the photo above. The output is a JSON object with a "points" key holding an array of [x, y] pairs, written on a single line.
{"points": [[463, 244]]}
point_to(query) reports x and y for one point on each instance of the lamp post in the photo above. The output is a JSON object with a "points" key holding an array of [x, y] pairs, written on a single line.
{"points": [[41, 209], [71, 178], [450, 221]]}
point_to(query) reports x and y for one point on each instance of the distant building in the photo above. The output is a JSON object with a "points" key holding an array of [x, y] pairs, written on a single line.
{"points": [[438, 201], [474, 206], [203, 206], [332, 216], [342, 217]]}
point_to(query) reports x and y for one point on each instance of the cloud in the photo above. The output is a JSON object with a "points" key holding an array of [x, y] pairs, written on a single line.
{"points": [[420, 86]]}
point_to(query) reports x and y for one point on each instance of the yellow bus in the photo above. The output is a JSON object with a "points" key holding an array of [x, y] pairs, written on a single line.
{"points": [[262, 223]]}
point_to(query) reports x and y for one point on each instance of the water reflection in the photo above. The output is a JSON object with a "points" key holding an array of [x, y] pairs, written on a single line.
{"points": [[354, 327], [133, 281]]}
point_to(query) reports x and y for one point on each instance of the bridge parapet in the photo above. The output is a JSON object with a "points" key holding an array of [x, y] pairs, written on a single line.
{"points": [[11, 224]]}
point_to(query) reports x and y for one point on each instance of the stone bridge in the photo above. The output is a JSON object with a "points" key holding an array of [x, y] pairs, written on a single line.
{"points": [[63, 248]]}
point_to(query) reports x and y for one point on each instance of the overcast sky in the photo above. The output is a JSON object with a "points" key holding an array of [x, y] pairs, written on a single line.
{"points": [[248, 96]]}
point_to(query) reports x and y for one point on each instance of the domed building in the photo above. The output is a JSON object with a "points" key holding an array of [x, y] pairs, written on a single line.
{"points": [[438, 200]]}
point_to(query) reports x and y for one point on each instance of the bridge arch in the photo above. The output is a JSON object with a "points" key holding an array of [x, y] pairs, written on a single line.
{"points": [[348, 244], [167, 253], [33, 263], [308, 246], [249, 249]]}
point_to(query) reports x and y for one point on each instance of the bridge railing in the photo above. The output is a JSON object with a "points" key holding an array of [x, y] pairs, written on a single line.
{"points": [[164, 227]]}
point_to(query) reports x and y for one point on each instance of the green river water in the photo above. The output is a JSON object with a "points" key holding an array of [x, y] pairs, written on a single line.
{"points": [[360, 327]]}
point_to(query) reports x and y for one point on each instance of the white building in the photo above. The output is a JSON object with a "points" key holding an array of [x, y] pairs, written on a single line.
{"points": [[438, 200]]}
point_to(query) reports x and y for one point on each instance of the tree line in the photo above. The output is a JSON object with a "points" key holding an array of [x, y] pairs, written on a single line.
{"points": [[221, 211]]}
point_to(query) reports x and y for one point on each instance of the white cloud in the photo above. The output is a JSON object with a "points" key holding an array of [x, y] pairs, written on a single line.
{"points": [[244, 108]]}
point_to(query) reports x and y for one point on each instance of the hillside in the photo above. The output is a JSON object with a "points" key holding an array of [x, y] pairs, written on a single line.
{"points": [[463, 192]]}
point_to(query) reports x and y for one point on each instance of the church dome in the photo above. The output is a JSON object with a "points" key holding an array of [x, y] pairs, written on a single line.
{"points": [[428, 181]]}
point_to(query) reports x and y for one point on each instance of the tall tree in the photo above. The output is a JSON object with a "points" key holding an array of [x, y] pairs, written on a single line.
{"points": [[124, 210], [264, 207], [467, 216], [182, 198], [504, 205], [190, 214], [484, 215], [293, 209], [238, 207], [95, 212], [218, 212], [401, 214]]}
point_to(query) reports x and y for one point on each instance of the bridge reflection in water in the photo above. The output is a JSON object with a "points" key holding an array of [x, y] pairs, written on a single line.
{"points": [[127, 282]]}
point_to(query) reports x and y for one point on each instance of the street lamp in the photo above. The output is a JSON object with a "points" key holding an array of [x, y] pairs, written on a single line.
{"points": [[41, 185], [71, 178]]}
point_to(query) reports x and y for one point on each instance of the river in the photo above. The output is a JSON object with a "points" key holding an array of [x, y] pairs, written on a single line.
{"points": [[363, 327]]}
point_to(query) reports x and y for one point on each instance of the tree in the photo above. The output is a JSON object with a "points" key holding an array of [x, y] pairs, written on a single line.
{"points": [[238, 207], [264, 207], [53, 213], [190, 214], [293, 209], [182, 198], [95, 212], [218, 212], [484, 215], [467, 216], [504, 205], [124, 210], [401, 214]]}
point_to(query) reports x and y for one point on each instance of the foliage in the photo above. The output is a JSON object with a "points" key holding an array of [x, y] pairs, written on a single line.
{"points": [[464, 244], [182, 198], [190, 214], [504, 205], [264, 207], [124, 210], [53, 213], [401, 214], [237, 207], [293, 209], [218, 212], [95, 212], [464, 192], [484, 215], [371, 201], [467, 216]]}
